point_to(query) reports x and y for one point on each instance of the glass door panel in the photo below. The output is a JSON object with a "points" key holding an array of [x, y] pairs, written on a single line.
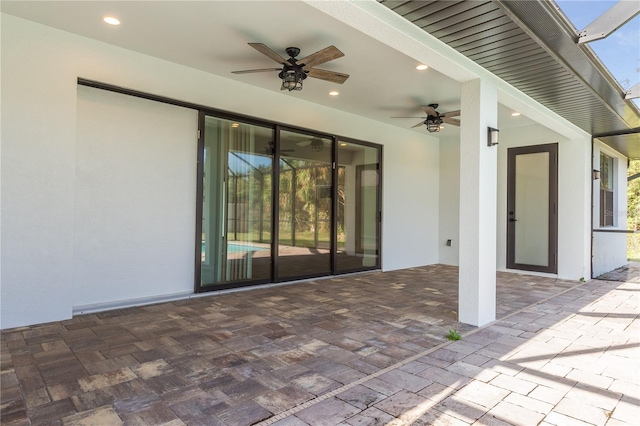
{"points": [[237, 203], [358, 207], [305, 184], [531, 205]]}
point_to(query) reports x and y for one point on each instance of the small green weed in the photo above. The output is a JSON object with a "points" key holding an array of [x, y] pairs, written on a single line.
{"points": [[454, 335]]}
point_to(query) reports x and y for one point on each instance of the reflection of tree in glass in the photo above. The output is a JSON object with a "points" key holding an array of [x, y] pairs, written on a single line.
{"points": [[341, 203], [633, 210], [304, 201]]}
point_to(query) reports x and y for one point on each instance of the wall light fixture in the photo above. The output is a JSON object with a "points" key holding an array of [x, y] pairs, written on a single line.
{"points": [[492, 136]]}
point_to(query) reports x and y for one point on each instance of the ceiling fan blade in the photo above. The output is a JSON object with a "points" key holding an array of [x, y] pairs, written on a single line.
{"points": [[429, 110], [419, 124], [258, 70], [453, 121], [424, 118], [332, 76], [320, 57], [451, 114], [310, 141], [262, 48]]}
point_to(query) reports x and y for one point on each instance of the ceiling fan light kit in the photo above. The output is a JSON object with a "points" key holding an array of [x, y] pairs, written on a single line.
{"points": [[433, 124], [434, 120], [291, 79], [294, 71]]}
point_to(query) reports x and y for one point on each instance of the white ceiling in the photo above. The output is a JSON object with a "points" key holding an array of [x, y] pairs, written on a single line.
{"points": [[212, 36]]}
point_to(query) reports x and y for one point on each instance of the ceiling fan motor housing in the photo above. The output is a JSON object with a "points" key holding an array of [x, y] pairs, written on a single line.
{"points": [[292, 51]]}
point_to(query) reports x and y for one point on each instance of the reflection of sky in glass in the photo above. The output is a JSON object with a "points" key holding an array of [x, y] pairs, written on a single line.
{"points": [[620, 51], [241, 163]]}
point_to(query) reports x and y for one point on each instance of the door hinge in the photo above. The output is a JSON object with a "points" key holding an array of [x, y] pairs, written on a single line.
{"points": [[198, 134]]}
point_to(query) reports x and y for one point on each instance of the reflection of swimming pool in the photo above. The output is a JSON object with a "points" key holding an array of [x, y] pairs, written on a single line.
{"points": [[239, 248]]}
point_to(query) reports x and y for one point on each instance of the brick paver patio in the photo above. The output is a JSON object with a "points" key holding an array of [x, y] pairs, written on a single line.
{"points": [[357, 350]]}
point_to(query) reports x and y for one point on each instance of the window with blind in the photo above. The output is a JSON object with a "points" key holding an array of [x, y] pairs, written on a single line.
{"points": [[606, 190]]}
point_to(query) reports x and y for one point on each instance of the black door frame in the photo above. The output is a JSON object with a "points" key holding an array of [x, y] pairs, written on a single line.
{"points": [[552, 261], [275, 278]]}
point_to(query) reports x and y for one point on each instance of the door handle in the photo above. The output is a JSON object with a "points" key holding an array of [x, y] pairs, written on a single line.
{"points": [[512, 220]]}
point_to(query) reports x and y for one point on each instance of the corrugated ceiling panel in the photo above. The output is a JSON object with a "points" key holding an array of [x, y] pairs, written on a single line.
{"points": [[463, 20], [486, 38], [502, 52], [535, 67], [405, 7], [453, 12], [517, 60], [469, 34], [508, 54]]}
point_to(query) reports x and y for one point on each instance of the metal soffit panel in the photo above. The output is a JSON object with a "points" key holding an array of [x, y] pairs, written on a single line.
{"points": [[532, 46]]}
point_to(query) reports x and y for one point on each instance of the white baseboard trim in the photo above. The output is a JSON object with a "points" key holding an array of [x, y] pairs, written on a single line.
{"points": [[129, 303], [152, 300]]}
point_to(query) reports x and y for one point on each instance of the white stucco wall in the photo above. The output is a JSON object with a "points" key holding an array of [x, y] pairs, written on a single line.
{"points": [[449, 200], [39, 175], [574, 197], [135, 198], [609, 248]]}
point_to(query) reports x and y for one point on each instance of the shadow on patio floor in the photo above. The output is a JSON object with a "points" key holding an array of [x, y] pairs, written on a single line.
{"points": [[627, 273]]}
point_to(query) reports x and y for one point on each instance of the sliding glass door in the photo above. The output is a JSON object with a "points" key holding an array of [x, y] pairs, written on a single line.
{"points": [[279, 204], [305, 219], [358, 207], [237, 164]]}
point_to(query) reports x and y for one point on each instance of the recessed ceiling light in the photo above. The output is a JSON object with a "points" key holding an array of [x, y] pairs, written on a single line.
{"points": [[515, 114], [111, 20], [421, 67], [334, 93]]}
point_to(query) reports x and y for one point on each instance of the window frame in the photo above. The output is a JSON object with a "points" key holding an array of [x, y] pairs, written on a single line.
{"points": [[607, 190]]}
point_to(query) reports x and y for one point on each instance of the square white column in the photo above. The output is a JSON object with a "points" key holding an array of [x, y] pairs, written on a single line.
{"points": [[478, 204]]}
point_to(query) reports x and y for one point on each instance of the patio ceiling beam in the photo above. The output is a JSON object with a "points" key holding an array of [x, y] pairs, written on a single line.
{"points": [[633, 93], [605, 24]]}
